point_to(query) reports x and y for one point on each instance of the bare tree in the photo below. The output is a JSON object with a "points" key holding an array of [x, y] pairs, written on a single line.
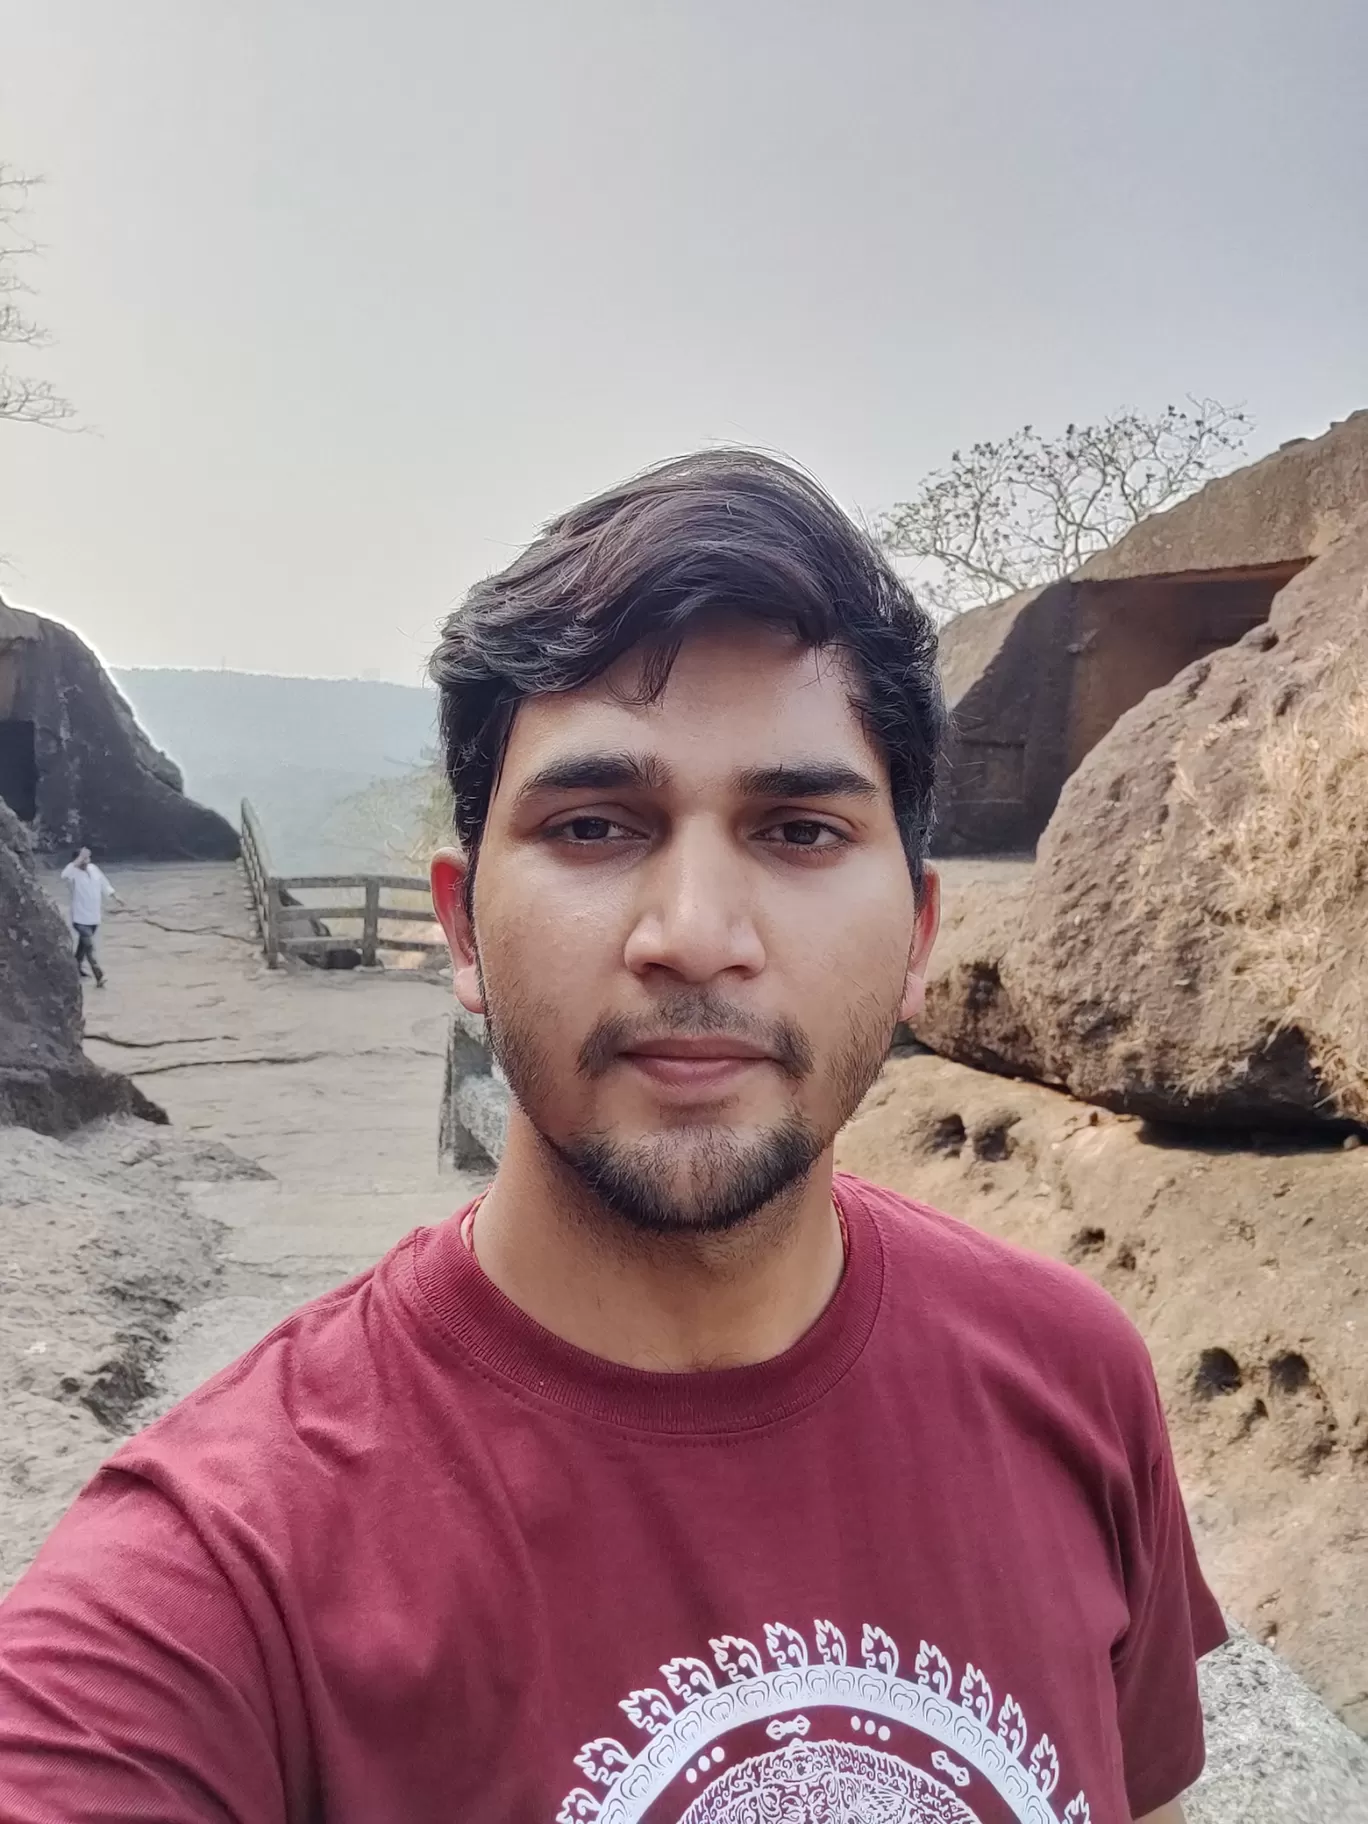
{"points": [[1028, 510], [23, 397]]}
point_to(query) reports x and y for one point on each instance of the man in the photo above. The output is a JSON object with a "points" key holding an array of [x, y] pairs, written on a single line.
{"points": [[89, 891], [672, 1480]]}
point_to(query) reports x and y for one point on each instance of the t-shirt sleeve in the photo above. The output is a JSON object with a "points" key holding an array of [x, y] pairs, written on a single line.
{"points": [[132, 1683], [1174, 1620]]}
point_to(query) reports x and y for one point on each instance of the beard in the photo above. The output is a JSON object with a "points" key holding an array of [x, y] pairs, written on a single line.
{"points": [[705, 1177], [703, 1180]]}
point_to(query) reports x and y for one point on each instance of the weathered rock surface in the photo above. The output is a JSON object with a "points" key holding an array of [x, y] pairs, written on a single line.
{"points": [[46, 1081], [101, 1251], [73, 747], [1275, 1754], [969, 1016], [1007, 670], [1193, 941]]}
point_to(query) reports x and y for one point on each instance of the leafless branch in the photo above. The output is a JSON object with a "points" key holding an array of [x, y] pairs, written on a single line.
{"points": [[29, 401], [1029, 509], [24, 398]]}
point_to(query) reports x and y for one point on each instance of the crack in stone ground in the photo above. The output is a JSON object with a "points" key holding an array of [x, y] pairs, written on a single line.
{"points": [[208, 1038], [233, 937], [302, 1057]]}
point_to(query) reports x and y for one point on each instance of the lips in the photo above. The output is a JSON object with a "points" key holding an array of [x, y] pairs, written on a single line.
{"points": [[702, 1065], [712, 1048]]}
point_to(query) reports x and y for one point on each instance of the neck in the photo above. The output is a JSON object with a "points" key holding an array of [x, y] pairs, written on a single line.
{"points": [[666, 1303]]}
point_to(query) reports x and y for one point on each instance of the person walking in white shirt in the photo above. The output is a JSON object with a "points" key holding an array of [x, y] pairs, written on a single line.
{"points": [[89, 891]]}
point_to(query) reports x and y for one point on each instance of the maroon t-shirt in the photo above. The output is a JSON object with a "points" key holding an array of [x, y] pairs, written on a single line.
{"points": [[413, 1560]]}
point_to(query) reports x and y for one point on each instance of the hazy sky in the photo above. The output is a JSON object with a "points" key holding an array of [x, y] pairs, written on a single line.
{"points": [[356, 294]]}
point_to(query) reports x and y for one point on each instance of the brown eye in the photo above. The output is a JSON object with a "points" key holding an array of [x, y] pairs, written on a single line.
{"points": [[589, 832], [804, 833]]}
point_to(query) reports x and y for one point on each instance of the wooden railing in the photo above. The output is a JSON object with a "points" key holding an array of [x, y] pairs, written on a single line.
{"points": [[288, 927]]}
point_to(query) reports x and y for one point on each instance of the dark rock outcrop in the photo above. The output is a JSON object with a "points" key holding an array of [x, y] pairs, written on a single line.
{"points": [[46, 1081], [75, 766]]}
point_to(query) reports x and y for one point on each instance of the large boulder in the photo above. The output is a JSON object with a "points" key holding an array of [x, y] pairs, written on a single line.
{"points": [[1196, 931], [46, 1081], [76, 767], [968, 1015], [1193, 939]]}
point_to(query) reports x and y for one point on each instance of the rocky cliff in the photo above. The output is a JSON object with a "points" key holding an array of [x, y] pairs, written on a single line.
{"points": [[46, 1081], [74, 764]]}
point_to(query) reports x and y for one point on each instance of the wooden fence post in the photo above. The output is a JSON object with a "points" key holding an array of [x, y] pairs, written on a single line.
{"points": [[370, 931], [272, 923]]}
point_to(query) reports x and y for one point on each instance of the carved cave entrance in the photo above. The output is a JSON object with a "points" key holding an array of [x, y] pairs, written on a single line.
{"points": [[19, 769], [1132, 637]]}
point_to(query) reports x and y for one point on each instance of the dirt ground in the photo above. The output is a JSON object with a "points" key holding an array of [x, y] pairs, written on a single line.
{"points": [[135, 1260], [328, 1081], [100, 1253], [1246, 1269]]}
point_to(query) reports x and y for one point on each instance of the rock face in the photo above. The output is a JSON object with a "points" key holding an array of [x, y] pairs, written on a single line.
{"points": [[46, 1081], [1035, 682], [1192, 942], [1007, 671], [969, 1016], [75, 766], [1275, 1754]]}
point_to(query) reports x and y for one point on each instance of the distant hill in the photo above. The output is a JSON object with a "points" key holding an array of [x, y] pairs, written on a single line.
{"points": [[299, 748]]}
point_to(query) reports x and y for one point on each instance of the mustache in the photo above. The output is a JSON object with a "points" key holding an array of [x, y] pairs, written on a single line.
{"points": [[694, 1014]]}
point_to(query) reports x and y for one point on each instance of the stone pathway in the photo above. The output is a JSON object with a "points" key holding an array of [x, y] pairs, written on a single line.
{"points": [[328, 1080]]}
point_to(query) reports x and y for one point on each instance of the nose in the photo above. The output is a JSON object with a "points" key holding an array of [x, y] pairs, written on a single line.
{"points": [[695, 918]]}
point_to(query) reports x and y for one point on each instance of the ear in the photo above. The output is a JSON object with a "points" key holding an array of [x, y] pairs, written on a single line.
{"points": [[449, 872], [923, 940]]}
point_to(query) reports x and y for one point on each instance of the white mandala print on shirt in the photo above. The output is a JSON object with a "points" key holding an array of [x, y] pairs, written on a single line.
{"points": [[965, 1736]]}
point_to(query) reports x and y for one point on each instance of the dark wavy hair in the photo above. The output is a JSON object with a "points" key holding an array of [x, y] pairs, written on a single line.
{"points": [[730, 531]]}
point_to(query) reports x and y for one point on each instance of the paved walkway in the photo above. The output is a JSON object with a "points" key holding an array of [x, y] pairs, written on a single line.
{"points": [[328, 1080]]}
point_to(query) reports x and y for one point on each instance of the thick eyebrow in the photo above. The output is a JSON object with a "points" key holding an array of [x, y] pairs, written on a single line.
{"points": [[807, 779], [595, 773]]}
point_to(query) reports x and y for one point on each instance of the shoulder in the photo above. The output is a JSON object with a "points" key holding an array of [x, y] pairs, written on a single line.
{"points": [[310, 1392], [250, 1477], [1024, 1312]]}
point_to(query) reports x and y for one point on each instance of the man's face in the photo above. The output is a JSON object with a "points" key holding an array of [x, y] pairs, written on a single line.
{"points": [[694, 925], [83, 859]]}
